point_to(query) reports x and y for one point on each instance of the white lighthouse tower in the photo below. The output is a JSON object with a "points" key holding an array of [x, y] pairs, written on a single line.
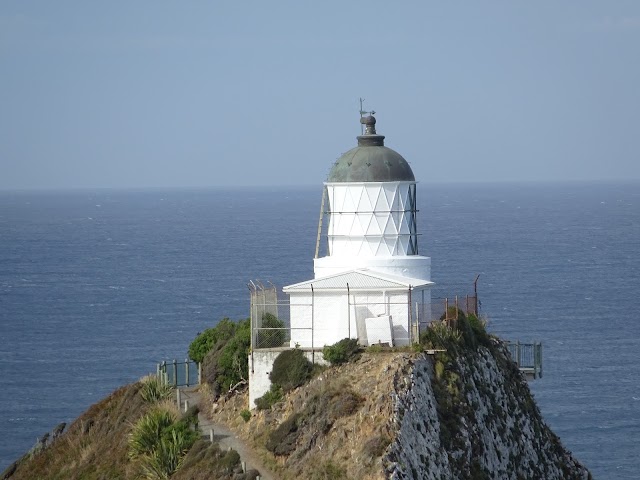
{"points": [[372, 212], [372, 284]]}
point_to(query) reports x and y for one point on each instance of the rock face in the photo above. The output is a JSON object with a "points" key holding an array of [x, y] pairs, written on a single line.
{"points": [[471, 415]]}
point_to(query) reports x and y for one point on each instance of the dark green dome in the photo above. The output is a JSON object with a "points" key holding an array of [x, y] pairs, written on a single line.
{"points": [[371, 161]]}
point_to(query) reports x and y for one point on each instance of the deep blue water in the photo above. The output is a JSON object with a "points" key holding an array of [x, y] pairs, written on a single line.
{"points": [[95, 287]]}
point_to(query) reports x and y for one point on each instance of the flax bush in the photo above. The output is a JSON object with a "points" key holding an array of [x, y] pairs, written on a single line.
{"points": [[154, 390], [159, 441]]}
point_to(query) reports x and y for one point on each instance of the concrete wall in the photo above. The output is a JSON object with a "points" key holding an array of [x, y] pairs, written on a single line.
{"points": [[260, 365]]}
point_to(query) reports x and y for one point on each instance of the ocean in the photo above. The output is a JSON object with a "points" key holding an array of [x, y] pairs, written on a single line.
{"points": [[98, 286]]}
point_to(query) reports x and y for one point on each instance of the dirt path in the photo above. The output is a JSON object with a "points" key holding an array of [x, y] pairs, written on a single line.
{"points": [[225, 437]]}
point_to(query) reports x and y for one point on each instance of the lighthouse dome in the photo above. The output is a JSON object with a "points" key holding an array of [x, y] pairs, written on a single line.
{"points": [[370, 161]]}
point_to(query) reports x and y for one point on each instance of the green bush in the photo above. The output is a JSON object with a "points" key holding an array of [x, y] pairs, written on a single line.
{"points": [[147, 432], [291, 369], [205, 341], [153, 389], [233, 363], [230, 459], [440, 335], [226, 362], [246, 415], [159, 442], [454, 313], [341, 352], [271, 338], [273, 396]]}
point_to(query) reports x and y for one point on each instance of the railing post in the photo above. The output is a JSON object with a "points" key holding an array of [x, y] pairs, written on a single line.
{"points": [[518, 353], [313, 351], [199, 373], [175, 372], [186, 371], [446, 310]]}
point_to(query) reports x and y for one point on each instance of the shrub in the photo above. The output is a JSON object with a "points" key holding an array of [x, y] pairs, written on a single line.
{"points": [[159, 441], [271, 338], [273, 396], [440, 335], [205, 341], [233, 361], [246, 415], [153, 389], [341, 352], [453, 312], [226, 363], [345, 403], [282, 441], [230, 459], [291, 369], [147, 432]]}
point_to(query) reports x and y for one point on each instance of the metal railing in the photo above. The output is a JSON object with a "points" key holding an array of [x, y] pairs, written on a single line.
{"points": [[179, 374], [527, 357]]}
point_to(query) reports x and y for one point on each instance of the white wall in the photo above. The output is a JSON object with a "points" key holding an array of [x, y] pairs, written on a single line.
{"points": [[334, 319], [260, 365]]}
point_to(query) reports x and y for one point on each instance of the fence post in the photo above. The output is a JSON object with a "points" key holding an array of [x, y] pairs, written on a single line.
{"points": [[199, 373], [186, 371], [178, 398], [175, 372], [518, 353], [409, 319], [446, 310], [313, 351]]}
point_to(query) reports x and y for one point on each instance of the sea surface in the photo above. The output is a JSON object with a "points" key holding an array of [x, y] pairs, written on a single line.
{"points": [[98, 286]]}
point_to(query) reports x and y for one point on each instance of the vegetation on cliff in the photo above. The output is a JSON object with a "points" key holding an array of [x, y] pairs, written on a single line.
{"points": [[133, 433], [223, 352], [463, 412]]}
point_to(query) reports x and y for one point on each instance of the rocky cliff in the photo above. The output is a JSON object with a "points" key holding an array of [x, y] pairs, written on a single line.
{"points": [[462, 413]]}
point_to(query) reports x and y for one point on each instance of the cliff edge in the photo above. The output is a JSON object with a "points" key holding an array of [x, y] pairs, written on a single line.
{"points": [[460, 413]]}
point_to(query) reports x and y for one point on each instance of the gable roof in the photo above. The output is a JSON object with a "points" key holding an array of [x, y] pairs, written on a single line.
{"points": [[361, 279]]}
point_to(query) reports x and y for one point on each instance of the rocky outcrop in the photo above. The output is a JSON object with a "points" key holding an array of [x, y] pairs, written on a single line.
{"points": [[469, 414], [464, 413]]}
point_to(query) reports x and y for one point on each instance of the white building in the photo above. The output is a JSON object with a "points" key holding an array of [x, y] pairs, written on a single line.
{"points": [[372, 278], [372, 284]]}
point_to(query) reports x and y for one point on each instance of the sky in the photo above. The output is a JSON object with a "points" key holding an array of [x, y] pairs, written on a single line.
{"points": [[155, 94]]}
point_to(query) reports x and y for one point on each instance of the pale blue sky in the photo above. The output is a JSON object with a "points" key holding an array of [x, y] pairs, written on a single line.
{"points": [[163, 94]]}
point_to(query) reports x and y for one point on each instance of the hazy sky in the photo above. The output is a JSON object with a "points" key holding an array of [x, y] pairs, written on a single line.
{"points": [[155, 94]]}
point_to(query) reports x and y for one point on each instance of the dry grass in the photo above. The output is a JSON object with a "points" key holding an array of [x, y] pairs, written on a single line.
{"points": [[348, 426]]}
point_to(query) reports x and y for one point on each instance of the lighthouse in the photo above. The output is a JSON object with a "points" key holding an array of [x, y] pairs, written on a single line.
{"points": [[371, 191], [372, 284]]}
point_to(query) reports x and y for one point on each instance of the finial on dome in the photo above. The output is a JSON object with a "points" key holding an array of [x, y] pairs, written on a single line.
{"points": [[370, 124]]}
